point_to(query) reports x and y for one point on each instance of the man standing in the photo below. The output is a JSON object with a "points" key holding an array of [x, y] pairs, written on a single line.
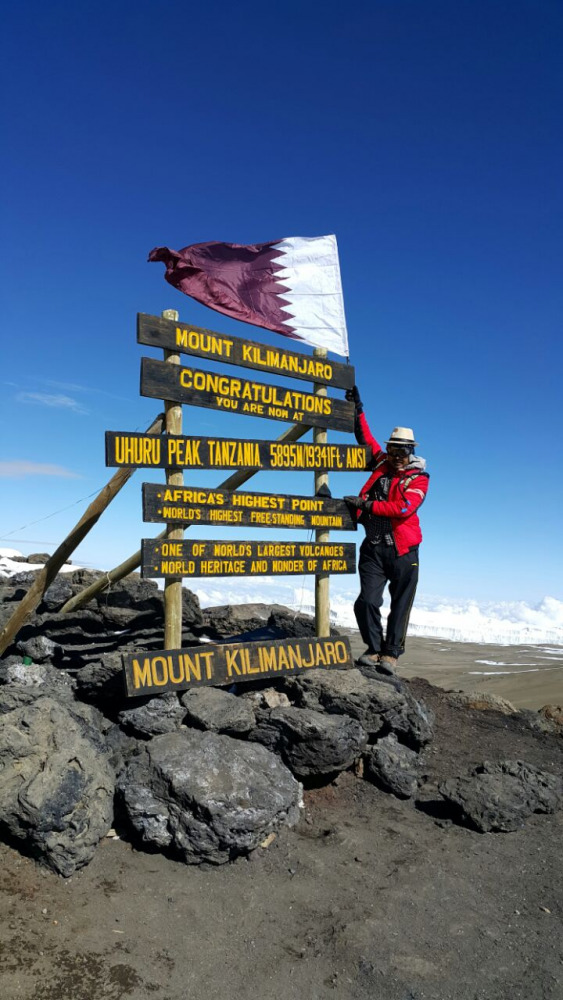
{"points": [[387, 508]]}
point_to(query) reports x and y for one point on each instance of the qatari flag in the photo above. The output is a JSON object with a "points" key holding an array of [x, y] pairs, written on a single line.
{"points": [[291, 286]]}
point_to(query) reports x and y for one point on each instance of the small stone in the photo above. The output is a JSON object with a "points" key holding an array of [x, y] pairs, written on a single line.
{"points": [[218, 711]]}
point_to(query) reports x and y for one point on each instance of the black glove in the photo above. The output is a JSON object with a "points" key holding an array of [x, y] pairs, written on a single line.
{"points": [[353, 396], [358, 503]]}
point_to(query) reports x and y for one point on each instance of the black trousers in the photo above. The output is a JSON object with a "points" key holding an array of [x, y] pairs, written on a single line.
{"points": [[380, 564]]}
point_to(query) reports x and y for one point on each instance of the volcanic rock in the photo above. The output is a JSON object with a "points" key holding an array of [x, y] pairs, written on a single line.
{"points": [[230, 620], [154, 716], [375, 704], [40, 649], [102, 681], [393, 767], [268, 697], [58, 592], [482, 701], [499, 797], [206, 796], [310, 742], [218, 711], [57, 786], [21, 684]]}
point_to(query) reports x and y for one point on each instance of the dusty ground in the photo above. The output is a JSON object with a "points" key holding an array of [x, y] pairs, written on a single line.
{"points": [[528, 676], [368, 898]]}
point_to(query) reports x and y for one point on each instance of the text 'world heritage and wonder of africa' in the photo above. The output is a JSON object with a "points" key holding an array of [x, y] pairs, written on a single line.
{"points": [[161, 557]]}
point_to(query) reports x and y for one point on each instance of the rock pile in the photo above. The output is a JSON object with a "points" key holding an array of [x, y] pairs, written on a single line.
{"points": [[208, 773]]}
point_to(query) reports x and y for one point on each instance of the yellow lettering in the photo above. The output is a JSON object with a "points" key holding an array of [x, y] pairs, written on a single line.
{"points": [[159, 680], [142, 675]]}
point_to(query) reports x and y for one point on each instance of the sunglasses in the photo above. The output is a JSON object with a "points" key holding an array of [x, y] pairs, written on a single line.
{"points": [[399, 451]]}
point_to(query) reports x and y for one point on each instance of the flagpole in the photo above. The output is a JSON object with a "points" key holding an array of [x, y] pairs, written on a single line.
{"points": [[322, 580]]}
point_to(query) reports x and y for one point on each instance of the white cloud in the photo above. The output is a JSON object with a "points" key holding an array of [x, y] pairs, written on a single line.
{"points": [[50, 399], [19, 468]]}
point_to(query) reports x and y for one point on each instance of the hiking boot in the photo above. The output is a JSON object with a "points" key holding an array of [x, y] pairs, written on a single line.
{"points": [[368, 660], [387, 664]]}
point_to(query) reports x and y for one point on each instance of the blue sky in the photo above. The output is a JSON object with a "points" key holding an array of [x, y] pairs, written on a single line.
{"points": [[426, 135]]}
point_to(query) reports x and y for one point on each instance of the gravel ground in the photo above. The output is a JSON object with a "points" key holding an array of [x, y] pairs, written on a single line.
{"points": [[369, 898]]}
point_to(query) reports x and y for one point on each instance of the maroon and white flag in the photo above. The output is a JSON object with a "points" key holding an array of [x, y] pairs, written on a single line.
{"points": [[291, 286]]}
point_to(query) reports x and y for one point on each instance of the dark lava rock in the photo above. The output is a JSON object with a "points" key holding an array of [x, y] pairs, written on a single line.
{"points": [[374, 703], [218, 711], [499, 797], [543, 721], [58, 593], [311, 743], [206, 796], [21, 684], [154, 716], [286, 624], [393, 767], [38, 557], [57, 787], [102, 681], [121, 748], [40, 649], [230, 620], [271, 621]]}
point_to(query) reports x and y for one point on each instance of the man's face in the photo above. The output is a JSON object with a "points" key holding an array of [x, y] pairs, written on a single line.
{"points": [[398, 456]]}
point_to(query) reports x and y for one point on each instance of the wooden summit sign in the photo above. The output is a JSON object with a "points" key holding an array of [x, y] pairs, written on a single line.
{"points": [[195, 505], [179, 669], [238, 395], [175, 336], [163, 557], [179, 451]]}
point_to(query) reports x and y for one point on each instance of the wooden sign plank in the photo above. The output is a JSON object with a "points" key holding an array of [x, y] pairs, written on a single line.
{"points": [[235, 662], [198, 342], [238, 395], [161, 557], [195, 505], [187, 452]]}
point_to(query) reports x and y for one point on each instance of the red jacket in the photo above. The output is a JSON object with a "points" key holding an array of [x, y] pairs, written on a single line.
{"points": [[406, 493]]}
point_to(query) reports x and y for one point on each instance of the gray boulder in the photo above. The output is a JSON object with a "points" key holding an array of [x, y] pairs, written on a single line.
{"points": [[57, 786], [59, 591], [207, 797], [311, 743], [499, 797], [154, 716], [102, 681], [376, 704], [121, 748], [229, 620], [21, 684], [40, 649], [218, 711], [393, 767]]}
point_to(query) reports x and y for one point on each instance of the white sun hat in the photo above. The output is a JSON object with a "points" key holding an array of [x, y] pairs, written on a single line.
{"points": [[402, 435]]}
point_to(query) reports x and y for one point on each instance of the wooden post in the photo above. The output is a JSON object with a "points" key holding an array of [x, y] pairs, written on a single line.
{"points": [[172, 587], [322, 580], [45, 576], [292, 433]]}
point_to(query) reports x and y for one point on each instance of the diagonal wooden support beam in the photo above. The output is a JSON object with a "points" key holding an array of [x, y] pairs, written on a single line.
{"points": [[47, 574]]}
